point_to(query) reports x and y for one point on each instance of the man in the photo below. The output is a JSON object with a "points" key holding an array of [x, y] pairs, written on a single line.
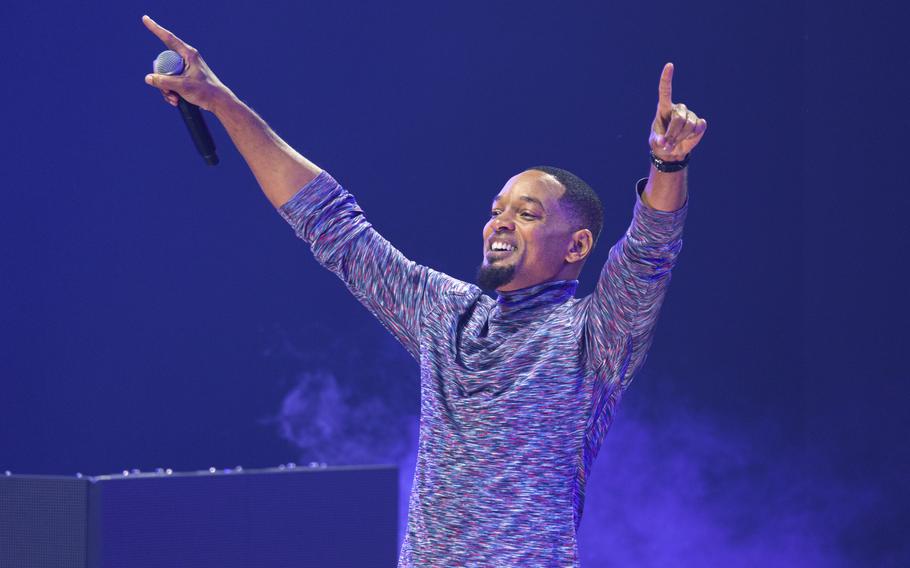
{"points": [[518, 392]]}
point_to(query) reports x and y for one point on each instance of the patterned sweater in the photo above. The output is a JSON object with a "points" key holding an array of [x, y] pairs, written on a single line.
{"points": [[516, 393]]}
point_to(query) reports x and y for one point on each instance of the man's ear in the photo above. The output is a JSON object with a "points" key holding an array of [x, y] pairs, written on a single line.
{"points": [[580, 246]]}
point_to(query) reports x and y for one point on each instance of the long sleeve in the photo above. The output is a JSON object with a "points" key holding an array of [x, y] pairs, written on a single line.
{"points": [[621, 314], [396, 290]]}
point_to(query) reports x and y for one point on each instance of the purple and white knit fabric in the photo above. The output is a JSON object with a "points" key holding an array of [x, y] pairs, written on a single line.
{"points": [[517, 393]]}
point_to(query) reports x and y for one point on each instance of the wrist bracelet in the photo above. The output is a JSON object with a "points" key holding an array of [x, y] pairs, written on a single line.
{"points": [[667, 166]]}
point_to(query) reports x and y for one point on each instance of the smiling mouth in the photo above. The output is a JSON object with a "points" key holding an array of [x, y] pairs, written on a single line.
{"points": [[498, 254]]}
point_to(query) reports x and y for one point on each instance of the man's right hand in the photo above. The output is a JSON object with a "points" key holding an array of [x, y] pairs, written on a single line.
{"points": [[197, 84], [280, 170]]}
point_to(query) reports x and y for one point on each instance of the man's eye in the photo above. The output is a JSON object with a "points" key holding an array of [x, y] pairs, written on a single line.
{"points": [[528, 215], [494, 213]]}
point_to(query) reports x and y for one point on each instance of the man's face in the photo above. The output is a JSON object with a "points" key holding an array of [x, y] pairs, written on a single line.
{"points": [[528, 236]]}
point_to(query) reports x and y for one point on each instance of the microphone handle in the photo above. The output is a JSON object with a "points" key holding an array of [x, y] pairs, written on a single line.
{"points": [[199, 132]]}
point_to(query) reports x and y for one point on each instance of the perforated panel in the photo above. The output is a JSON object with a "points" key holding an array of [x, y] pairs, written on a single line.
{"points": [[42, 522]]}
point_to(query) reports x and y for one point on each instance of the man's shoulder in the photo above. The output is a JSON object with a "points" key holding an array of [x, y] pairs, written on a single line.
{"points": [[454, 288]]}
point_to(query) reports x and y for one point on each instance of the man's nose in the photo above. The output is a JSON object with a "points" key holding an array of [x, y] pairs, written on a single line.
{"points": [[503, 223]]}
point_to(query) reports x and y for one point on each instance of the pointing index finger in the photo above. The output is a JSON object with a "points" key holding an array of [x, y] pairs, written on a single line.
{"points": [[665, 90], [169, 39]]}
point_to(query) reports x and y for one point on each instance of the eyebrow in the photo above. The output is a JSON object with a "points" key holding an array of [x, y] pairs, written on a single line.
{"points": [[527, 198]]}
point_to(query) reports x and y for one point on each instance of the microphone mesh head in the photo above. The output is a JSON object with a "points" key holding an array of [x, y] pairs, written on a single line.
{"points": [[168, 63]]}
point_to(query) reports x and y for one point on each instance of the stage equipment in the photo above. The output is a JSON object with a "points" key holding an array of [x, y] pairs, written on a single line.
{"points": [[231, 518]]}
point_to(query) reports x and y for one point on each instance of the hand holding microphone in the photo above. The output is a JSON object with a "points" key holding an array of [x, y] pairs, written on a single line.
{"points": [[187, 82]]}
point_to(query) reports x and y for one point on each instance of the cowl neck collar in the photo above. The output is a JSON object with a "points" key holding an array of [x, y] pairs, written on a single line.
{"points": [[544, 294]]}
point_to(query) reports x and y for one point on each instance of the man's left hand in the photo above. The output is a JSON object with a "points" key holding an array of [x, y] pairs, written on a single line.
{"points": [[676, 130]]}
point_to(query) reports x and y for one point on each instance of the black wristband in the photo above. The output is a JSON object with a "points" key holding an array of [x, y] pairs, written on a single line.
{"points": [[668, 167]]}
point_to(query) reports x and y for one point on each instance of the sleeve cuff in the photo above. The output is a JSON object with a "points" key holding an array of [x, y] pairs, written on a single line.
{"points": [[307, 201], [662, 225]]}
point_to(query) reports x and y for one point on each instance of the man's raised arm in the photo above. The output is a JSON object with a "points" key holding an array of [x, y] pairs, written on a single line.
{"points": [[396, 290], [280, 170], [622, 312]]}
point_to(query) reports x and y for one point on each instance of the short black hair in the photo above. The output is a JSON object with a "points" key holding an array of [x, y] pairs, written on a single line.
{"points": [[581, 201]]}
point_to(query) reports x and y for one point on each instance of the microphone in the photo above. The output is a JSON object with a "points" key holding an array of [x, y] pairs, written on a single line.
{"points": [[170, 63]]}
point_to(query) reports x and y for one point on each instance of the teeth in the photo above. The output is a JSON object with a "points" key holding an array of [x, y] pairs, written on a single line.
{"points": [[501, 246]]}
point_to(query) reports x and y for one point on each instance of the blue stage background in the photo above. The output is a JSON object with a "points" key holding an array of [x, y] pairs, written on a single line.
{"points": [[158, 312]]}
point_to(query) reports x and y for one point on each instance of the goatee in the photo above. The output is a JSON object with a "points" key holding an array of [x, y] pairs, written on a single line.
{"points": [[490, 277]]}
